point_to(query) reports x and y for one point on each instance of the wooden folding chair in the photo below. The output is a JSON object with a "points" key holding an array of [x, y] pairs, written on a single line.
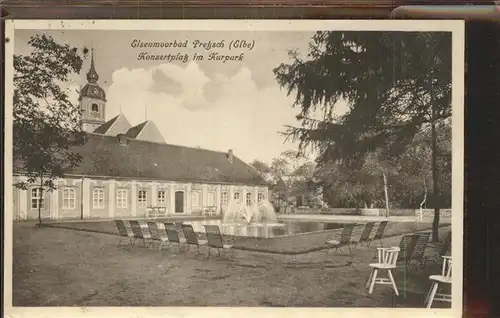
{"points": [[123, 232], [345, 238], [379, 234], [406, 247], [365, 235], [173, 235], [215, 240], [418, 254], [443, 251], [192, 238], [156, 234], [140, 233]]}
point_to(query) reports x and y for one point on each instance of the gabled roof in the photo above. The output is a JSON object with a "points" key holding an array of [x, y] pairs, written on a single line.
{"points": [[136, 130], [104, 127], [104, 156], [146, 131]]}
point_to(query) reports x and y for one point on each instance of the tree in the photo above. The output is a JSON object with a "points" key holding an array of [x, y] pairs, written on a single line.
{"points": [[47, 125], [394, 83], [263, 169], [407, 176]]}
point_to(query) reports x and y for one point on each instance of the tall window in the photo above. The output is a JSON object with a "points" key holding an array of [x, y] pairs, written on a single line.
{"points": [[195, 199], [248, 199], [260, 197], [68, 201], [142, 198], [35, 198], [98, 198], [162, 198], [211, 198], [223, 198], [121, 199], [237, 197]]}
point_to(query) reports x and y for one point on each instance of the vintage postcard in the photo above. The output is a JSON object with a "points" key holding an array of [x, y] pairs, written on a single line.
{"points": [[220, 168]]}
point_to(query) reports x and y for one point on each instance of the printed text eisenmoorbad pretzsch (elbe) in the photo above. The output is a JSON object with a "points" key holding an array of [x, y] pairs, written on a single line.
{"points": [[206, 50]]}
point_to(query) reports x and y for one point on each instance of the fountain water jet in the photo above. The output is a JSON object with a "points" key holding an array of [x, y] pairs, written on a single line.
{"points": [[260, 213]]}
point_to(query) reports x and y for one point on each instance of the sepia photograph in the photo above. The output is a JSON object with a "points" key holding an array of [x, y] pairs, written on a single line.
{"points": [[313, 164]]}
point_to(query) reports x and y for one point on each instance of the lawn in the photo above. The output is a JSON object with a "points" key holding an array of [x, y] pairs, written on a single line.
{"points": [[63, 267]]}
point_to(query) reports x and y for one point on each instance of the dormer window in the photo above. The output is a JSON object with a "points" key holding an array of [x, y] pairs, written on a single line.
{"points": [[94, 110]]}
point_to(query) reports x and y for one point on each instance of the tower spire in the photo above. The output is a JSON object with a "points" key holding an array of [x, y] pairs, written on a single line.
{"points": [[92, 76]]}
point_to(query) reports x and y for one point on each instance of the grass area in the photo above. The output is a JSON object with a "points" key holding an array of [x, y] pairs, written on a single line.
{"points": [[296, 244], [62, 267]]}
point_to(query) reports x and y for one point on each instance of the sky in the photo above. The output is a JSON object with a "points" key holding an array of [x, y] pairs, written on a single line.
{"points": [[209, 104]]}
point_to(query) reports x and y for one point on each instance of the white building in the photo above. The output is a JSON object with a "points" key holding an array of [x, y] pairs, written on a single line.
{"points": [[127, 170]]}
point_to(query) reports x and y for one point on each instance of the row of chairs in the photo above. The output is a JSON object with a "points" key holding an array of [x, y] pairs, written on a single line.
{"points": [[152, 233], [346, 236], [412, 246]]}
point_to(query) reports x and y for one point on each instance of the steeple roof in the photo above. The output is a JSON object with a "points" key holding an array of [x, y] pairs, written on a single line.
{"points": [[92, 89], [92, 76]]}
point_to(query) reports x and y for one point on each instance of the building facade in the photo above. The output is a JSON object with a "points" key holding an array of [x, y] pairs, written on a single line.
{"points": [[128, 171]]}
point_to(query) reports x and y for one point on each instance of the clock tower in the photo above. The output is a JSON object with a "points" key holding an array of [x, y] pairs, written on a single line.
{"points": [[92, 100]]}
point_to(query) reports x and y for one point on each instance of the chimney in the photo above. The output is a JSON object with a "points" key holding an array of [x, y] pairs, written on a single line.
{"points": [[230, 155]]}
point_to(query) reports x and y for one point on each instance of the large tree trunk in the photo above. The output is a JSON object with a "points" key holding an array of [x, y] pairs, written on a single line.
{"points": [[386, 195], [435, 184]]}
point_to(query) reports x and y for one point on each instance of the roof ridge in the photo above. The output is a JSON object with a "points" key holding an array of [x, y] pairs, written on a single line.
{"points": [[165, 144]]}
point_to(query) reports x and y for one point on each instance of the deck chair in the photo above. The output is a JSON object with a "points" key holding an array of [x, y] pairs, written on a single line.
{"points": [[418, 254], [345, 238], [172, 235], [379, 234], [406, 246], [156, 235], [444, 250], [123, 232], [215, 240], [365, 235], [140, 233], [192, 238]]}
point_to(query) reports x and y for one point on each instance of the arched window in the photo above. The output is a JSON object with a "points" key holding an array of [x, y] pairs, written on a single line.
{"points": [[94, 111]]}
